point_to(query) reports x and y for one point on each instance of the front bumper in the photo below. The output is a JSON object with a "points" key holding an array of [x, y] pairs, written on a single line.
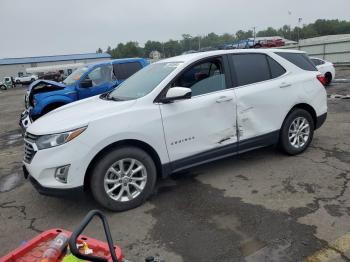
{"points": [[42, 164], [71, 192]]}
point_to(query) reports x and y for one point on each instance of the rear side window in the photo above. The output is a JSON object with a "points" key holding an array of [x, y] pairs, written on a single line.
{"points": [[317, 61], [276, 69], [250, 68], [299, 59], [125, 70]]}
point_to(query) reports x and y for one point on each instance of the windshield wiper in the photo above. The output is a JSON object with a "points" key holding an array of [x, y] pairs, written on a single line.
{"points": [[113, 98]]}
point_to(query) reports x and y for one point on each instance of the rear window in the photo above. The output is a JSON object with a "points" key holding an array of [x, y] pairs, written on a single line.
{"points": [[125, 70], [299, 59]]}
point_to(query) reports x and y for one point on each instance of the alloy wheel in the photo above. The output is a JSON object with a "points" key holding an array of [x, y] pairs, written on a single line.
{"points": [[125, 180], [299, 132]]}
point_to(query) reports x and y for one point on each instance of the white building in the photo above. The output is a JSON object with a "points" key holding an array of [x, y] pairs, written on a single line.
{"points": [[17, 66]]}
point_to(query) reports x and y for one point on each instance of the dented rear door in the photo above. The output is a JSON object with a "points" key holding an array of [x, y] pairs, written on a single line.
{"points": [[262, 99]]}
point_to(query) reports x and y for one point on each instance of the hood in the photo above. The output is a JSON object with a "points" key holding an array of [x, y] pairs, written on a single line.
{"points": [[78, 114], [49, 83]]}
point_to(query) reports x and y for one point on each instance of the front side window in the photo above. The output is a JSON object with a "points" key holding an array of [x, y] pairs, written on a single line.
{"points": [[144, 81], [75, 76], [203, 78], [125, 70], [101, 75], [250, 68]]}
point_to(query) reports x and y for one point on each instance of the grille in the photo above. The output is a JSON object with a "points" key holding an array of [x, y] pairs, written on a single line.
{"points": [[29, 151]]}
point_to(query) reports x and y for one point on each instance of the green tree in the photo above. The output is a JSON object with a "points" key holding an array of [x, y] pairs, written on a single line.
{"points": [[172, 48], [152, 46], [240, 34], [99, 51]]}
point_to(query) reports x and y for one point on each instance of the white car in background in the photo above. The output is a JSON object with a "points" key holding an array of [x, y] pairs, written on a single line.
{"points": [[25, 79], [325, 67], [172, 115]]}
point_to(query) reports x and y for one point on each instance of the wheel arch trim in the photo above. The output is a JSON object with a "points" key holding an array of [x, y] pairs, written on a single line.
{"points": [[162, 170]]}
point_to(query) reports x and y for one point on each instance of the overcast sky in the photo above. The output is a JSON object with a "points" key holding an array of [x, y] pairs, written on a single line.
{"points": [[49, 27]]}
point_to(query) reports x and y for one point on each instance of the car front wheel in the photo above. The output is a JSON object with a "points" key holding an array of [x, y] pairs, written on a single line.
{"points": [[297, 132], [123, 179]]}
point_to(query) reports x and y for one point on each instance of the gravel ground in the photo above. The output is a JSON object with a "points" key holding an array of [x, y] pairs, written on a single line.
{"points": [[259, 206]]}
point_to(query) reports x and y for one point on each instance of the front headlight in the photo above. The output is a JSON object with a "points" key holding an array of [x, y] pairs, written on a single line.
{"points": [[47, 141]]}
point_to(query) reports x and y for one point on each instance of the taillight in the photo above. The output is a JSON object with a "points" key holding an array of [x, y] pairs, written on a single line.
{"points": [[322, 79]]}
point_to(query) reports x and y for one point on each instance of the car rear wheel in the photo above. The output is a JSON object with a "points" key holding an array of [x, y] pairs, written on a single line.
{"points": [[3, 87], [297, 132], [123, 179]]}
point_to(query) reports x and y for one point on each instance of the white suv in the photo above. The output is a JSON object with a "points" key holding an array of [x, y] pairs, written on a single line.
{"points": [[172, 115], [26, 79]]}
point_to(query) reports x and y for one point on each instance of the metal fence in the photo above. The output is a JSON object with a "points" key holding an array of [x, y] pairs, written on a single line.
{"points": [[336, 51]]}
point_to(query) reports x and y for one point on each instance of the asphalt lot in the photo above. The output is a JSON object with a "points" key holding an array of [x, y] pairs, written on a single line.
{"points": [[259, 206]]}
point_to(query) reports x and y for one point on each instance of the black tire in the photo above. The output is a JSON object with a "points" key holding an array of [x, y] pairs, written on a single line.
{"points": [[3, 87], [32, 80], [99, 172], [284, 143], [328, 77], [18, 82]]}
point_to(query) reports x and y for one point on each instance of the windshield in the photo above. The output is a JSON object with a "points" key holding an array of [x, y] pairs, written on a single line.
{"points": [[75, 76], [143, 82]]}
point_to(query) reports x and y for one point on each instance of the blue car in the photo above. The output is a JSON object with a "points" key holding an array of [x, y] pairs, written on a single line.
{"points": [[44, 96]]}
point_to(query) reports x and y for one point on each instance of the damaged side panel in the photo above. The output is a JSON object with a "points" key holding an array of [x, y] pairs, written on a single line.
{"points": [[199, 124]]}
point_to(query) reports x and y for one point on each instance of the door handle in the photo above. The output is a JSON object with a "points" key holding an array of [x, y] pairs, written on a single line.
{"points": [[284, 85], [222, 99]]}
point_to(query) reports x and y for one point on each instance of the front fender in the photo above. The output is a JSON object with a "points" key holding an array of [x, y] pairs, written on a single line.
{"points": [[54, 99]]}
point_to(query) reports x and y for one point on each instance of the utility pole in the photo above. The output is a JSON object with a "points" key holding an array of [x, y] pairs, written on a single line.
{"points": [[299, 21], [254, 35], [199, 42], [290, 27]]}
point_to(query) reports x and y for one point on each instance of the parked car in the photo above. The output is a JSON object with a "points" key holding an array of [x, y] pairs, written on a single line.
{"points": [[160, 121], [7, 83], [325, 67], [241, 44], [44, 96], [268, 43], [25, 79]]}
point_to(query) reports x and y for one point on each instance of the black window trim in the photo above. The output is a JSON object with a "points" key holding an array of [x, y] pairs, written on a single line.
{"points": [[233, 74], [227, 72]]}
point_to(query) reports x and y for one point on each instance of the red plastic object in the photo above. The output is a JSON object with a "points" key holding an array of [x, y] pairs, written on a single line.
{"points": [[33, 250]]}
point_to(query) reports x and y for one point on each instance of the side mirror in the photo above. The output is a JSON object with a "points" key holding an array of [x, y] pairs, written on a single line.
{"points": [[177, 93], [86, 83]]}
